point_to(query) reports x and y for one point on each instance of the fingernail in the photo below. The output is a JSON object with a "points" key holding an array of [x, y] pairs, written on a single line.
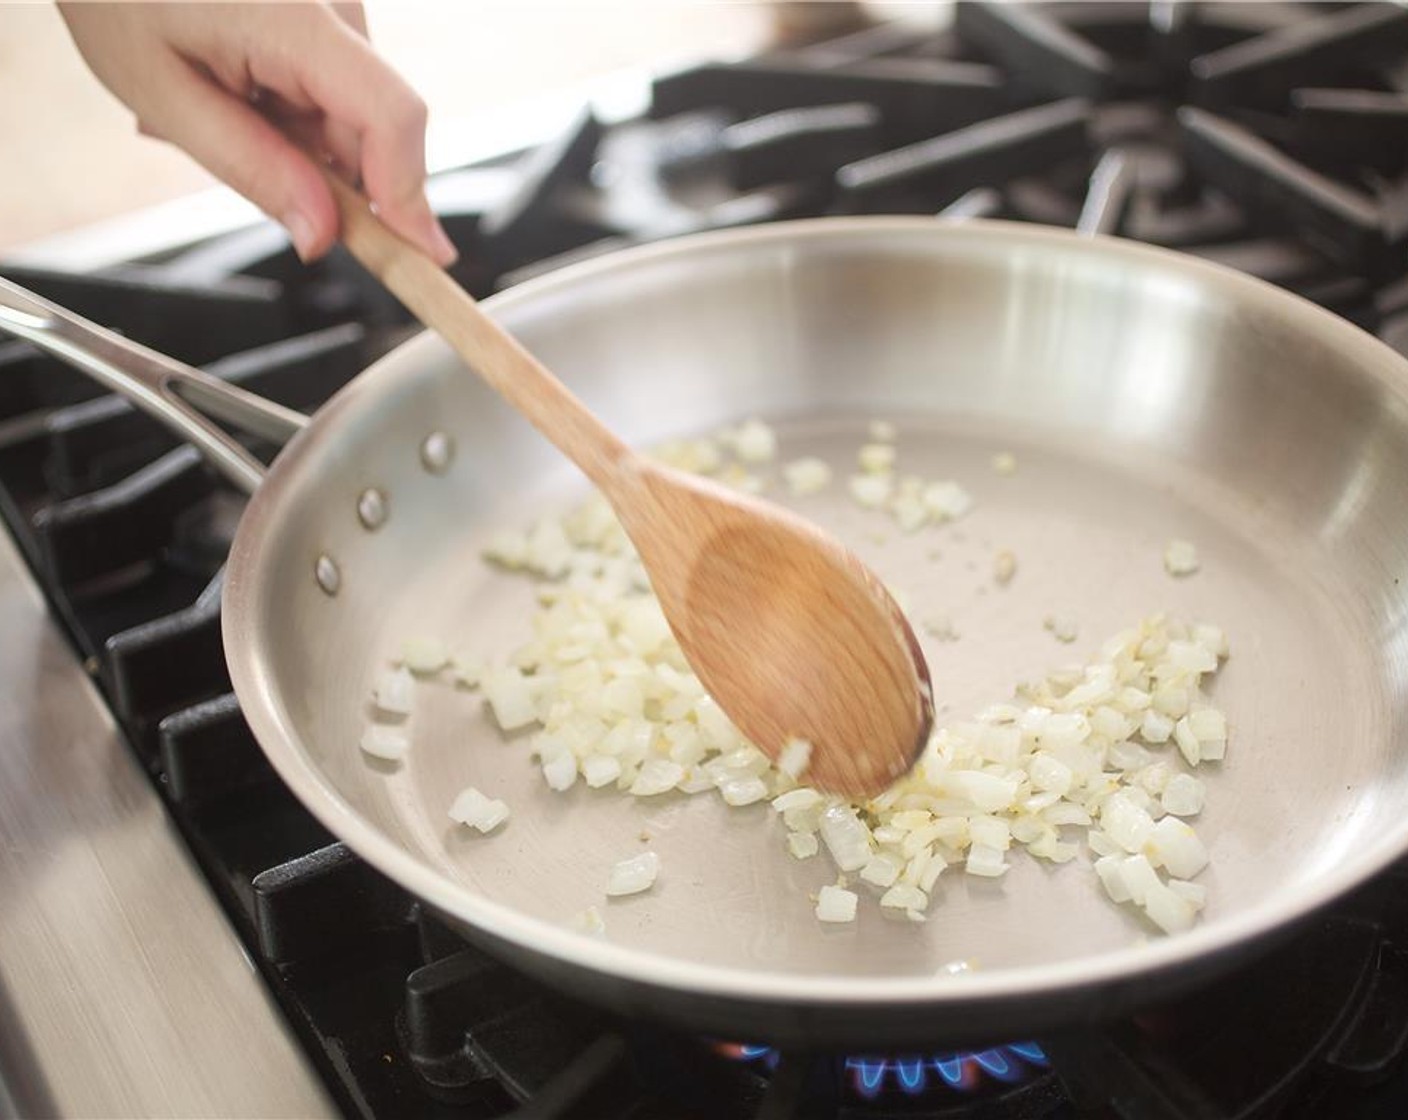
{"points": [[443, 248], [300, 229]]}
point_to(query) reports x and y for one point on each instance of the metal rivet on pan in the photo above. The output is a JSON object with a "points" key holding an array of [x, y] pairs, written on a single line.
{"points": [[326, 572], [436, 452], [371, 508]]}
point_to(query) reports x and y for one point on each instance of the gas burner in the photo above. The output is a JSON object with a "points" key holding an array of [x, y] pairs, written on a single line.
{"points": [[924, 1078]]}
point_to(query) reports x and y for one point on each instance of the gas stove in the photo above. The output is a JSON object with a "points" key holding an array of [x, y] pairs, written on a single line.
{"points": [[1270, 137]]}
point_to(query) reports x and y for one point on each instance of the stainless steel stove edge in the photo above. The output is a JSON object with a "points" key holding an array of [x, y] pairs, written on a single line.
{"points": [[123, 989]]}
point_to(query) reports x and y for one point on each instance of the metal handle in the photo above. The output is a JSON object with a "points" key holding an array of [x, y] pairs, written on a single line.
{"points": [[178, 395]]}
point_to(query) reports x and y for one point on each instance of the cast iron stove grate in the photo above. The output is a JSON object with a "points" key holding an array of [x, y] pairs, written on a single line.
{"points": [[1268, 136]]}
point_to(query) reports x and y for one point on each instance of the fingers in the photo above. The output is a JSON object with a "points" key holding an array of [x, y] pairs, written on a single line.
{"points": [[356, 88], [227, 136]]}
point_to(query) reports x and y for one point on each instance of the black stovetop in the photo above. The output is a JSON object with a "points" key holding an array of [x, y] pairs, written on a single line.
{"points": [[1272, 137]]}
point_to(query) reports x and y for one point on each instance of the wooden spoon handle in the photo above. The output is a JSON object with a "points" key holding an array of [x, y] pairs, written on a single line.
{"points": [[433, 296]]}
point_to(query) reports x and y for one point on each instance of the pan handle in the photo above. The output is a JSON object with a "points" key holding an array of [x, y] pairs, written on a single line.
{"points": [[179, 396]]}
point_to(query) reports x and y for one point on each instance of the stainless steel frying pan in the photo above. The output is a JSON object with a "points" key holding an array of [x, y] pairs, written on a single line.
{"points": [[1145, 395]]}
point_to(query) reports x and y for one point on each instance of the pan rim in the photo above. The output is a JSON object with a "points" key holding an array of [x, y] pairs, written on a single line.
{"points": [[275, 732]]}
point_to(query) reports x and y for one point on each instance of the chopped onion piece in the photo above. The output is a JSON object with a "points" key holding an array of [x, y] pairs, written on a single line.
{"points": [[799, 798], [882, 431], [1188, 744], [1156, 727], [882, 870], [1110, 868], [388, 743], [561, 771], [754, 442], [807, 476], [1125, 822], [876, 458], [744, 791], [846, 837], [941, 626], [1176, 846], [424, 656], [802, 845], [904, 897], [1180, 558], [987, 792], [836, 904], [794, 758], [1183, 796], [1139, 875], [394, 691], [947, 501], [871, 490], [1004, 567], [1004, 463], [510, 697], [478, 811], [657, 775], [1167, 909], [1063, 627], [601, 770], [633, 875], [985, 861]]}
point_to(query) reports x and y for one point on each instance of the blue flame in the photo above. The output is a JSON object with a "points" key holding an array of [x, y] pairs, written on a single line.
{"points": [[950, 1069], [963, 1069]]}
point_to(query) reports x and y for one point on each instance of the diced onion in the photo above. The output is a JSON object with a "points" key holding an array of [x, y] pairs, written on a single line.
{"points": [[394, 692], [807, 476], [388, 743], [846, 837], [600, 770], [876, 458], [744, 791], [802, 845], [754, 442], [656, 776], [424, 656], [836, 904], [871, 490], [1180, 558], [606, 690], [1177, 847], [1183, 796], [985, 861], [633, 875], [904, 897], [474, 809], [794, 758], [882, 870], [1169, 910], [561, 771]]}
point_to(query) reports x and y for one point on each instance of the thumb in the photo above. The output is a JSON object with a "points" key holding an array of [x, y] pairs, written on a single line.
{"points": [[232, 141]]}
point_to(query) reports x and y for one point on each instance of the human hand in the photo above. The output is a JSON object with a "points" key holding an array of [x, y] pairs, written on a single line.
{"points": [[243, 88]]}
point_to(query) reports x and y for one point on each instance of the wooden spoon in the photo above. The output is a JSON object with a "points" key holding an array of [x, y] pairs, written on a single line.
{"points": [[790, 633]]}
